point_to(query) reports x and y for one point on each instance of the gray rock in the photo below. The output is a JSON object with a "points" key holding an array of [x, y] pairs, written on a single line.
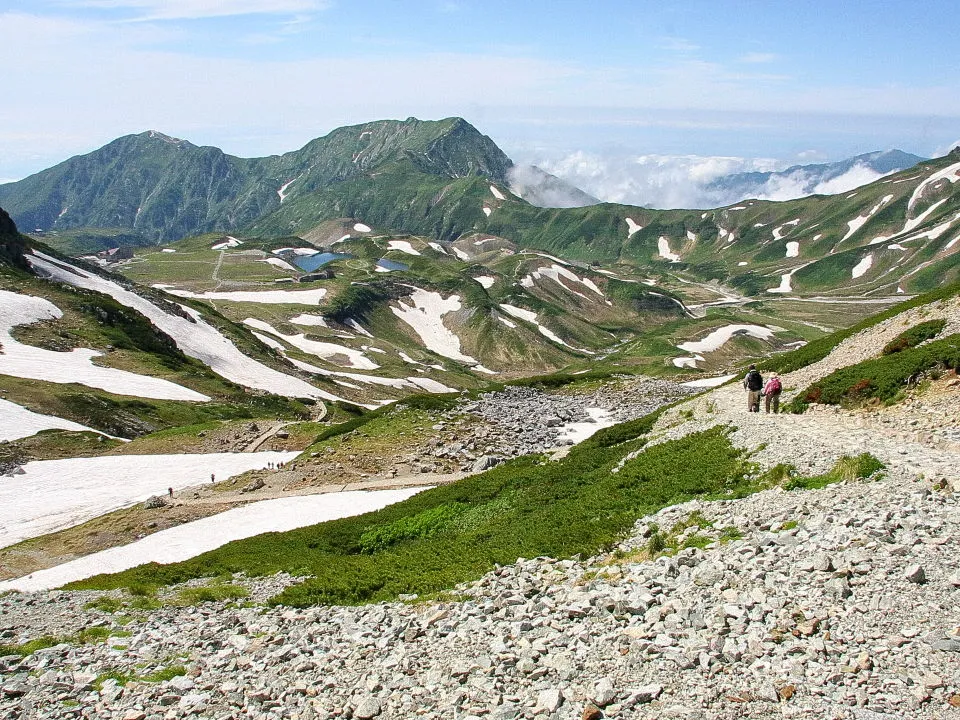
{"points": [[367, 708], [153, 502], [550, 699], [915, 574]]}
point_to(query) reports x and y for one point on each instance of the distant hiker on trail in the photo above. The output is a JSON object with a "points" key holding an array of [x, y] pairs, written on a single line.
{"points": [[753, 384], [170, 491], [212, 478], [771, 393]]}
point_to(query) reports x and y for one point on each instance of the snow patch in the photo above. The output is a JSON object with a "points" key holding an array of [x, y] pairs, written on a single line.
{"points": [[859, 221], [425, 316], [282, 192], [402, 246], [793, 249], [950, 173], [438, 247], [861, 267], [358, 327], [663, 248], [360, 227], [229, 242], [277, 262], [262, 297], [168, 250], [56, 494], [720, 336], [708, 382], [632, 227], [331, 352], [460, 254], [496, 193], [531, 317], [17, 422], [76, 366], [309, 320], [486, 281], [195, 338], [487, 211], [183, 542], [778, 231]]}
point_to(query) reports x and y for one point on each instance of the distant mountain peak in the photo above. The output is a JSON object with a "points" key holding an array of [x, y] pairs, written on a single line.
{"points": [[157, 135]]}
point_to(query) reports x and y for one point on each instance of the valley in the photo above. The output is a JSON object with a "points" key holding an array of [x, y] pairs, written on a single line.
{"points": [[332, 407]]}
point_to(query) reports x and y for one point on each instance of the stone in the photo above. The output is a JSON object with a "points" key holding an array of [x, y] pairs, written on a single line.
{"points": [[647, 693], [367, 708], [153, 502], [550, 699], [485, 462], [603, 693], [253, 486], [915, 574], [591, 712]]}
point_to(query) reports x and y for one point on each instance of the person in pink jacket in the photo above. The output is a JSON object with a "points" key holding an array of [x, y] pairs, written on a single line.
{"points": [[771, 393]]}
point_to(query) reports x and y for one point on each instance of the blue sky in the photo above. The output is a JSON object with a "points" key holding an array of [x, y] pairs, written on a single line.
{"points": [[757, 83]]}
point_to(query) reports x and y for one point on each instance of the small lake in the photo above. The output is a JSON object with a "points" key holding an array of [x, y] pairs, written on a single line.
{"points": [[309, 263], [391, 264]]}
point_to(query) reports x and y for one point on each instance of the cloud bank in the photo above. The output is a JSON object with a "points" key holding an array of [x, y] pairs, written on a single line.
{"points": [[695, 181]]}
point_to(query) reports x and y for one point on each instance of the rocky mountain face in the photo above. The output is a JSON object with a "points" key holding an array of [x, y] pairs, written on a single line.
{"points": [[12, 243]]}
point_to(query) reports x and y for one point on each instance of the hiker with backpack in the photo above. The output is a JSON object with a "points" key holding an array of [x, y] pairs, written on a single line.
{"points": [[753, 384], [771, 393]]}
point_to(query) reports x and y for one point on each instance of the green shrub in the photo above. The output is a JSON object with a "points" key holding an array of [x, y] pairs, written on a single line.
{"points": [[845, 469], [914, 336], [880, 378], [821, 347], [422, 525]]}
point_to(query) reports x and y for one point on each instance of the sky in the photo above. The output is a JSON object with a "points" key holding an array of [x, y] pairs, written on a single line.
{"points": [[629, 98]]}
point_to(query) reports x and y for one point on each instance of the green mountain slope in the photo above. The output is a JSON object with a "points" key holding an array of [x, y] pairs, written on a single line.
{"points": [[164, 188]]}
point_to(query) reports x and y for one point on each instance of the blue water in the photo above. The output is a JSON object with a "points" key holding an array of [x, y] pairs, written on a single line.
{"points": [[392, 264], [309, 263]]}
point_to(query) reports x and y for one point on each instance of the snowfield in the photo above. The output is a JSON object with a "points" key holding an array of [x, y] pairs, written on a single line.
{"points": [[278, 263], [230, 242], [859, 221], [17, 422], [632, 227], [708, 382], [186, 541], [951, 173], [716, 339], [76, 366], [861, 267], [331, 352], [360, 227], [425, 316], [403, 246], [262, 297], [309, 320], [663, 248], [496, 193], [793, 249], [194, 336], [486, 281], [555, 272], [531, 317], [56, 494]]}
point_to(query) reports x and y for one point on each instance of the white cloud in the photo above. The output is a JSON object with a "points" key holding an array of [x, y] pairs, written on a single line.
{"points": [[195, 9], [661, 181], [758, 58]]}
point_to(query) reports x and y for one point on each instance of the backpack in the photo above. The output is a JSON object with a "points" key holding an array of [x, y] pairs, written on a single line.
{"points": [[773, 387], [754, 381]]}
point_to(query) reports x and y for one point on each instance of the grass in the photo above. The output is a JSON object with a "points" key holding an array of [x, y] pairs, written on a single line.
{"points": [[880, 379], [84, 636], [846, 469], [122, 677], [455, 533]]}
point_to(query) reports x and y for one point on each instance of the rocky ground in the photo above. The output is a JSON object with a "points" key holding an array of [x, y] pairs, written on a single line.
{"points": [[842, 602]]}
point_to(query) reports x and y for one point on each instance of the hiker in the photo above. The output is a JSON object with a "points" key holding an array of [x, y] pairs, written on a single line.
{"points": [[212, 478], [771, 393], [753, 384], [170, 491]]}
